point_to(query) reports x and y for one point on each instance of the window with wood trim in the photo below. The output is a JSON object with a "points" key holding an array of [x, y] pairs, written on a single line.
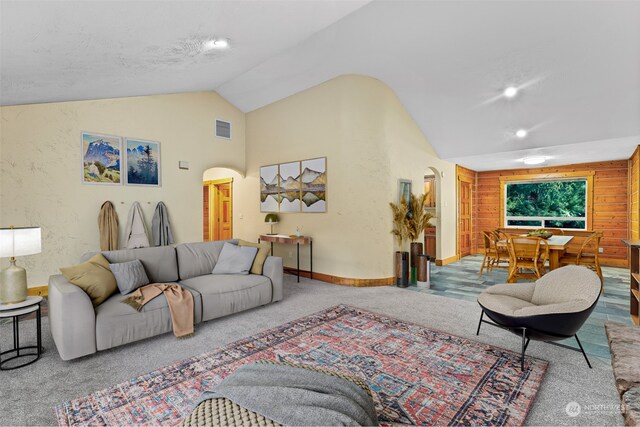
{"points": [[547, 202]]}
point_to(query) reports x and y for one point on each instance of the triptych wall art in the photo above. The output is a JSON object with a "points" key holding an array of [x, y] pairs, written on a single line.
{"points": [[294, 187], [113, 160]]}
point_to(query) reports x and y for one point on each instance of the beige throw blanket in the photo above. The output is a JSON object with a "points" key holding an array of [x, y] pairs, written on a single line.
{"points": [[108, 226], [180, 303]]}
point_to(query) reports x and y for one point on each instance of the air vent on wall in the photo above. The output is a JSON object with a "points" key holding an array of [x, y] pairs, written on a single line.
{"points": [[223, 129]]}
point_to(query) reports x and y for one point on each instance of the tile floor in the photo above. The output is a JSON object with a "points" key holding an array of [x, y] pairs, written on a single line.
{"points": [[461, 280]]}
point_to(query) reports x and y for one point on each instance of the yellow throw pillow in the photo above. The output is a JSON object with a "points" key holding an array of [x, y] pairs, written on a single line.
{"points": [[263, 252], [94, 277]]}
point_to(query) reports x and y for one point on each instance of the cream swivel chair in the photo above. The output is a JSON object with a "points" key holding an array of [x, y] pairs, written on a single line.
{"points": [[551, 309]]}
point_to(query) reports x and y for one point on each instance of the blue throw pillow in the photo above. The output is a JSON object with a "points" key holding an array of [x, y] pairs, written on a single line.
{"points": [[129, 275], [235, 259]]}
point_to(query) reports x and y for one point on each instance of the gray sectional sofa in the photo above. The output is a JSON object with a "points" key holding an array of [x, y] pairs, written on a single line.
{"points": [[78, 329]]}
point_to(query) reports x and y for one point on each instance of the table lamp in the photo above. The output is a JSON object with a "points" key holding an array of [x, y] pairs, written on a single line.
{"points": [[16, 241], [271, 218]]}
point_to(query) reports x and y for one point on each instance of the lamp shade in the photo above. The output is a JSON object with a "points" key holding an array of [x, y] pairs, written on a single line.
{"points": [[273, 218], [20, 241]]}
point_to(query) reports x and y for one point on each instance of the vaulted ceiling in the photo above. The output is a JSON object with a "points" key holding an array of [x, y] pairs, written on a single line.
{"points": [[577, 63]]}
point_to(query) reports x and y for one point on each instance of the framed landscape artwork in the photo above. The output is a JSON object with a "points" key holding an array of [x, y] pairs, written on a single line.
{"points": [[314, 185], [294, 187], [142, 162], [101, 159], [269, 198], [404, 190], [289, 187]]}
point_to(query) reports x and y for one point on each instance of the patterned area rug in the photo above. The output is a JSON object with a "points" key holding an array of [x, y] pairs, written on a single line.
{"points": [[418, 375]]}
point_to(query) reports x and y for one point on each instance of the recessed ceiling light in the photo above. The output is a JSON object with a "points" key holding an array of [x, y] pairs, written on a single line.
{"points": [[521, 133], [217, 43], [536, 160], [510, 92]]}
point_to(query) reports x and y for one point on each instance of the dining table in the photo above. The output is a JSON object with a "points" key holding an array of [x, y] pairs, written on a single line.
{"points": [[557, 247]]}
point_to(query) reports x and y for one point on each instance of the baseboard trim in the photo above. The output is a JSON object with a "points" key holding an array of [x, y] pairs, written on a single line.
{"points": [[38, 291], [343, 281], [445, 261]]}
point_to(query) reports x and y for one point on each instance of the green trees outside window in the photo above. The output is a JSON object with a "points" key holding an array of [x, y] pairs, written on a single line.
{"points": [[548, 204]]}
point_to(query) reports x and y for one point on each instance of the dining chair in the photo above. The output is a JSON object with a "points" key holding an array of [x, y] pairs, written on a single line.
{"points": [[527, 258], [501, 235], [588, 255], [494, 255], [501, 247], [490, 252]]}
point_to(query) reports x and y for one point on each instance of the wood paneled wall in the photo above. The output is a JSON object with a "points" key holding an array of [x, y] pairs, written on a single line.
{"points": [[634, 195], [610, 204], [465, 174]]}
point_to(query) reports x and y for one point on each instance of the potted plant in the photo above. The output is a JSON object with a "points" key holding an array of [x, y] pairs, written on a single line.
{"points": [[409, 221], [400, 231], [418, 220]]}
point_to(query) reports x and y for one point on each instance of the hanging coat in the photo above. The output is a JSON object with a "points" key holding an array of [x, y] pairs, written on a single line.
{"points": [[135, 235], [160, 226], [108, 227]]}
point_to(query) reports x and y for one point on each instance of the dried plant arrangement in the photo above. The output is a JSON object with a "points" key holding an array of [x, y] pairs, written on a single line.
{"points": [[409, 218], [400, 212], [419, 217]]}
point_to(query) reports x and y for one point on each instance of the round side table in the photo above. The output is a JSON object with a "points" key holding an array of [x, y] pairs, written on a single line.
{"points": [[15, 311]]}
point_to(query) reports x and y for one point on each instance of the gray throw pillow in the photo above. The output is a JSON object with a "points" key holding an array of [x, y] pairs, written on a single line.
{"points": [[235, 259], [129, 275]]}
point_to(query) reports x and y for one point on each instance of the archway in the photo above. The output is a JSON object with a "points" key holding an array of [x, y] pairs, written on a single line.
{"points": [[217, 202], [434, 175]]}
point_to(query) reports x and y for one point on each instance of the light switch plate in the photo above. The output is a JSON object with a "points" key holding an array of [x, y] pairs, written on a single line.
{"points": [[183, 165]]}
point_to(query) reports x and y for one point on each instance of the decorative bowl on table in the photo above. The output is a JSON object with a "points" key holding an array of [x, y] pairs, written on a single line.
{"points": [[543, 234]]}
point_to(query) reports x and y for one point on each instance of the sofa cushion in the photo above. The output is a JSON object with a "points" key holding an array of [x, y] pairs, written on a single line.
{"points": [[159, 262], [235, 259], [129, 275], [263, 252], [197, 259], [224, 294], [94, 277], [118, 323]]}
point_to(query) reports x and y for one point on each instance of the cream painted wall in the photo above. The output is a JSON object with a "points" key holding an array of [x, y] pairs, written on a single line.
{"points": [[356, 122], [370, 141], [412, 157], [40, 176]]}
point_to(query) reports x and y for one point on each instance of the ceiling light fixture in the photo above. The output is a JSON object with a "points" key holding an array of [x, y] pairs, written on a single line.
{"points": [[536, 160], [510, 92], [521, 133], [217, 43]]}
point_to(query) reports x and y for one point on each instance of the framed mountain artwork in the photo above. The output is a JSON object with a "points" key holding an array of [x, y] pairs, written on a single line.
{"points": [[289, 188], [142, 162], [269, 186], [313, 180], [101, 159]]}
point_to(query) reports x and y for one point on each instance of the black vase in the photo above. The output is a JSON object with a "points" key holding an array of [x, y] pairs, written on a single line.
{"points": [[402, 269]]}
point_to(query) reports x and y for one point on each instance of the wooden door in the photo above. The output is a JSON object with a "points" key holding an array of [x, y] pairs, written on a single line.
{"points": [[217, 209], [223, 214], [206, 213], [430, 191], [464, 218]]}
